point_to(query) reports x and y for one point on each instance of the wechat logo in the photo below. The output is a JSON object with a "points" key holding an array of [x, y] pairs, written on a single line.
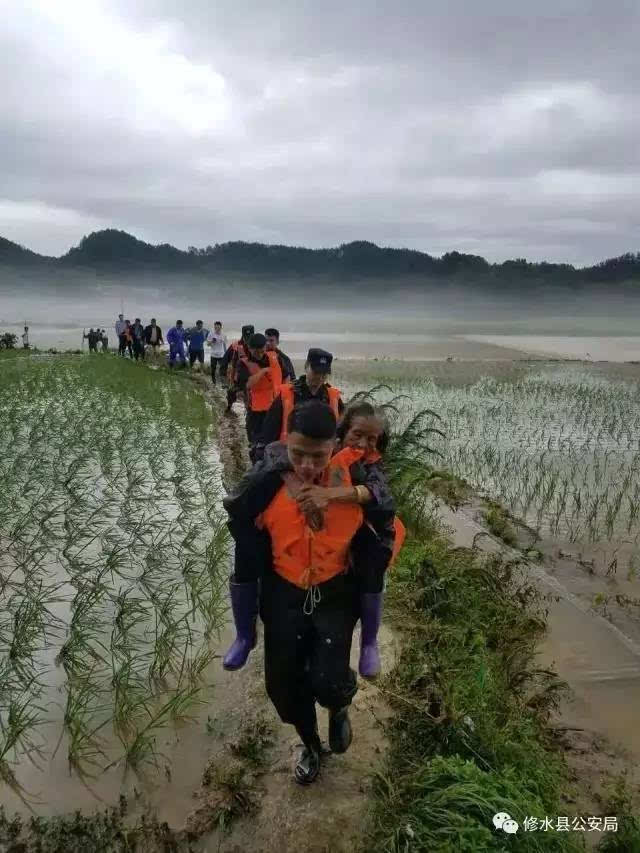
{"points": [[504, 821]]}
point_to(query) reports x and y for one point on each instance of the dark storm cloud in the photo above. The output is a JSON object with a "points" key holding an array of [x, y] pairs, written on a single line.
{"points": [[432, 125]]}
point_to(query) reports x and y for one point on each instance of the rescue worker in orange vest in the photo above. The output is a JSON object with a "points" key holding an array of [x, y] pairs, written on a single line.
{"points": [[237, 349], [273, 344], [259, 377], [307, 599], [312, 386]]}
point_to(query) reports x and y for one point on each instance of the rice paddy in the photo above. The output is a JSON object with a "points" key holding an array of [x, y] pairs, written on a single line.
{"points": [[113, 556], [559, 447]]}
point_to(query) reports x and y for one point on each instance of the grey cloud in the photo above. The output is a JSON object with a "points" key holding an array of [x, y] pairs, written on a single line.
{"points": [[431, 125]]}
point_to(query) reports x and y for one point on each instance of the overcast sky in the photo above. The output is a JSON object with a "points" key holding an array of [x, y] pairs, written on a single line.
{"points": [[434, 125]]}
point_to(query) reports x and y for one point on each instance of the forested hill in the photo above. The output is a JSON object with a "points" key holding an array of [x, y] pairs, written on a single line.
{"points": [[117, 251]]}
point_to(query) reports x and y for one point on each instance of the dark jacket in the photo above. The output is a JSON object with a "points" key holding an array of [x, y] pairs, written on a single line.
{"points": [[147, 334], [233, 353], [242, 373], [288, 370], [301, 394]]}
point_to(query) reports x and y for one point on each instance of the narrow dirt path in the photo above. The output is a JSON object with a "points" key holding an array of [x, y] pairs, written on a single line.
{"points": [[273, 812], [598, 721]]}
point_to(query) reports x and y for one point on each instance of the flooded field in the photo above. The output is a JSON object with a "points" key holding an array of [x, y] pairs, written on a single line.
{"points": [[114, 560], [113, 566], [558, 445]]}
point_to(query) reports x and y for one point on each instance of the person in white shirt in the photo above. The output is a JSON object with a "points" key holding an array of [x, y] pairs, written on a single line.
{"points": [[25, 337], [218, 343], [121, 328]]}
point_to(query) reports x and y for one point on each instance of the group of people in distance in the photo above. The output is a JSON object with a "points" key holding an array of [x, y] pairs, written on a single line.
{"points": [[134, 338], [315, 529], [95, 337]]}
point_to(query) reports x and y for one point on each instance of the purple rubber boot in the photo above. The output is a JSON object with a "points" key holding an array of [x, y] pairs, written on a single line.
{"points": [[370, 618], [244, 604]]}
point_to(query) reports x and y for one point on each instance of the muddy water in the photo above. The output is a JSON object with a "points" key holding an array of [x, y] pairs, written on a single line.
{"points": [[598, 661], [56, 790], [47, 787], [373, 343], [590, 348]]}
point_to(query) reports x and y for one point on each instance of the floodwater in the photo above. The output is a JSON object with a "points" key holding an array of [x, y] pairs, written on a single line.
{"points": [[53, 789], [590, 348], [374, 320], [389, 346]]}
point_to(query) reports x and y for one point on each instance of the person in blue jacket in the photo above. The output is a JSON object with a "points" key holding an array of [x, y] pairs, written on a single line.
{"points": [[175, 339], [196, 338]]}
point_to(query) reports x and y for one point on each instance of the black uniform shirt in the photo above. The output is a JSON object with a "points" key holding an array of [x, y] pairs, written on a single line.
{"points": [[301, 394], [242, 371]]}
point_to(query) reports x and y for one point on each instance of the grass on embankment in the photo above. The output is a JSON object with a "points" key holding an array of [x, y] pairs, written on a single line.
{"points": [[470, 735]]}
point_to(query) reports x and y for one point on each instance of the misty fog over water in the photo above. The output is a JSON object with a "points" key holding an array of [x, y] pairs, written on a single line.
{"points": [[385, 320]]}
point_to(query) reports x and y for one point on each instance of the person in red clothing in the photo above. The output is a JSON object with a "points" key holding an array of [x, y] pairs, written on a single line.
{"points": [[237, 350], [259, 377], [306, 598]]}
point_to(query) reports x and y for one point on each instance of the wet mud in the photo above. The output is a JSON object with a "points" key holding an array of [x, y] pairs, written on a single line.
{"points": [[597, 721]]}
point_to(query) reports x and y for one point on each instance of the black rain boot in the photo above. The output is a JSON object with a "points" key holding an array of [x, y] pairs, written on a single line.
{"points": [[340, 732], [308, 764]]}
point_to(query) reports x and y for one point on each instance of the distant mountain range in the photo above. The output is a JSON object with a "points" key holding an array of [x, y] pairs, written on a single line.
{"points": [[116, 251]]}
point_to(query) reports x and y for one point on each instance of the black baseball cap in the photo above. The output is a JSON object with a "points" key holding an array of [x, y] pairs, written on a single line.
{"points": [[247, 330], [257, 341], [319, 360]]}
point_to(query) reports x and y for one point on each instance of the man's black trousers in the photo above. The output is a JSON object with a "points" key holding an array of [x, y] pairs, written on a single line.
{"points": [[306, 657], [217, 364], [254, 424]]}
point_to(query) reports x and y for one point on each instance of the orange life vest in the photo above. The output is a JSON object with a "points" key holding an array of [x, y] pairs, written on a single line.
{"points": [[398, 542], [264, 392], [287, 394], [236, 348], [300, 555], [398, 526]]}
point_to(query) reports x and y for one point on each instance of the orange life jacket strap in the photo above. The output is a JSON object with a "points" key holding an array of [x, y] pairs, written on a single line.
{"points": [[288, 401]]}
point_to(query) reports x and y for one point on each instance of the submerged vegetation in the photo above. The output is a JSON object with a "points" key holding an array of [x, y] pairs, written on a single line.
{"points": [[113, 551], [112, 558], [470, 735], [559, 449]]}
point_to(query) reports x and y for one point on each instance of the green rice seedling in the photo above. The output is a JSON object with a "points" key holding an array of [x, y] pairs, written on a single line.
{"points": [[19, 718], [140, 748], [97, 517], [85, 715]]}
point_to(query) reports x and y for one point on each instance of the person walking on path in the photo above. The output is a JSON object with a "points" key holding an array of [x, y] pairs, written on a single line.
{"points": [[137, 339], [175, 339], [314, 385], [259, 377], [217, 341], [237, 349], [196, 337], [25, 338], [306, 598], [365, 429], [153, 337], [273, 345], [121, 327], [128, 338]]}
